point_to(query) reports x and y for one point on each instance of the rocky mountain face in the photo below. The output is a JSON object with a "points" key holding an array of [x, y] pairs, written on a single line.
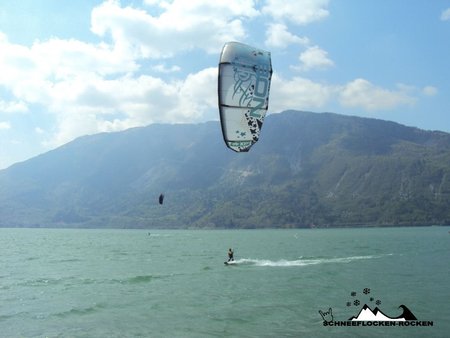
{"points": [[307, 170]]}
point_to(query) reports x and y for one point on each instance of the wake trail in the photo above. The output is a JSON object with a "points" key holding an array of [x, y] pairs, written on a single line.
{"points": [[302, 261]]}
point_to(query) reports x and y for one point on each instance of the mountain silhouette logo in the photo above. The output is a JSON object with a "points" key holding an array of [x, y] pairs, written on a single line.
{"points": [[367, 314], [370, 314]]}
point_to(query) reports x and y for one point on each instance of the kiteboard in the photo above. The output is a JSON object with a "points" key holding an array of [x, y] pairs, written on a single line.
{"points": [[229, 263], [243, 87]]}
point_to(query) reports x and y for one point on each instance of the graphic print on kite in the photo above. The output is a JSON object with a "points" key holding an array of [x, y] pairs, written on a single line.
{"points": [[244, 85]]}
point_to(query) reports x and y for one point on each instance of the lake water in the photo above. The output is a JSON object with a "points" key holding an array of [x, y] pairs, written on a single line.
{"points": [[135, 283]]}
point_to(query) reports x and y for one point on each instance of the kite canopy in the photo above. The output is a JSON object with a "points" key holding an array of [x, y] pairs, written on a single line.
{"points": [[244, 85]]}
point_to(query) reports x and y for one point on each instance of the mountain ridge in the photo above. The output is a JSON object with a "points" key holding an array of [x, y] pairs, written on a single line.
{"points": [[307, 170]]}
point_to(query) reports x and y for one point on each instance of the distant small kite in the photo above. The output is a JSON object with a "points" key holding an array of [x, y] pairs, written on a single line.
{"points": [[161, 199]]}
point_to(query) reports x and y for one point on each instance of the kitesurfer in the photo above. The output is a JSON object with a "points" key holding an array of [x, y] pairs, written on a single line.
{"points": [[230, 255]]}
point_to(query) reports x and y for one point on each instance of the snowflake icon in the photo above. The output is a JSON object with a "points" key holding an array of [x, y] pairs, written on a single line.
{"points": [[378, 302], [372, 299], [349, 304], [356, 302], [353, 294], [366, 291]]}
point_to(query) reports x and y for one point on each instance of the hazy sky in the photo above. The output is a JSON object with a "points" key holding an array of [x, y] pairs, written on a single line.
{"points": [[71, 68]]}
